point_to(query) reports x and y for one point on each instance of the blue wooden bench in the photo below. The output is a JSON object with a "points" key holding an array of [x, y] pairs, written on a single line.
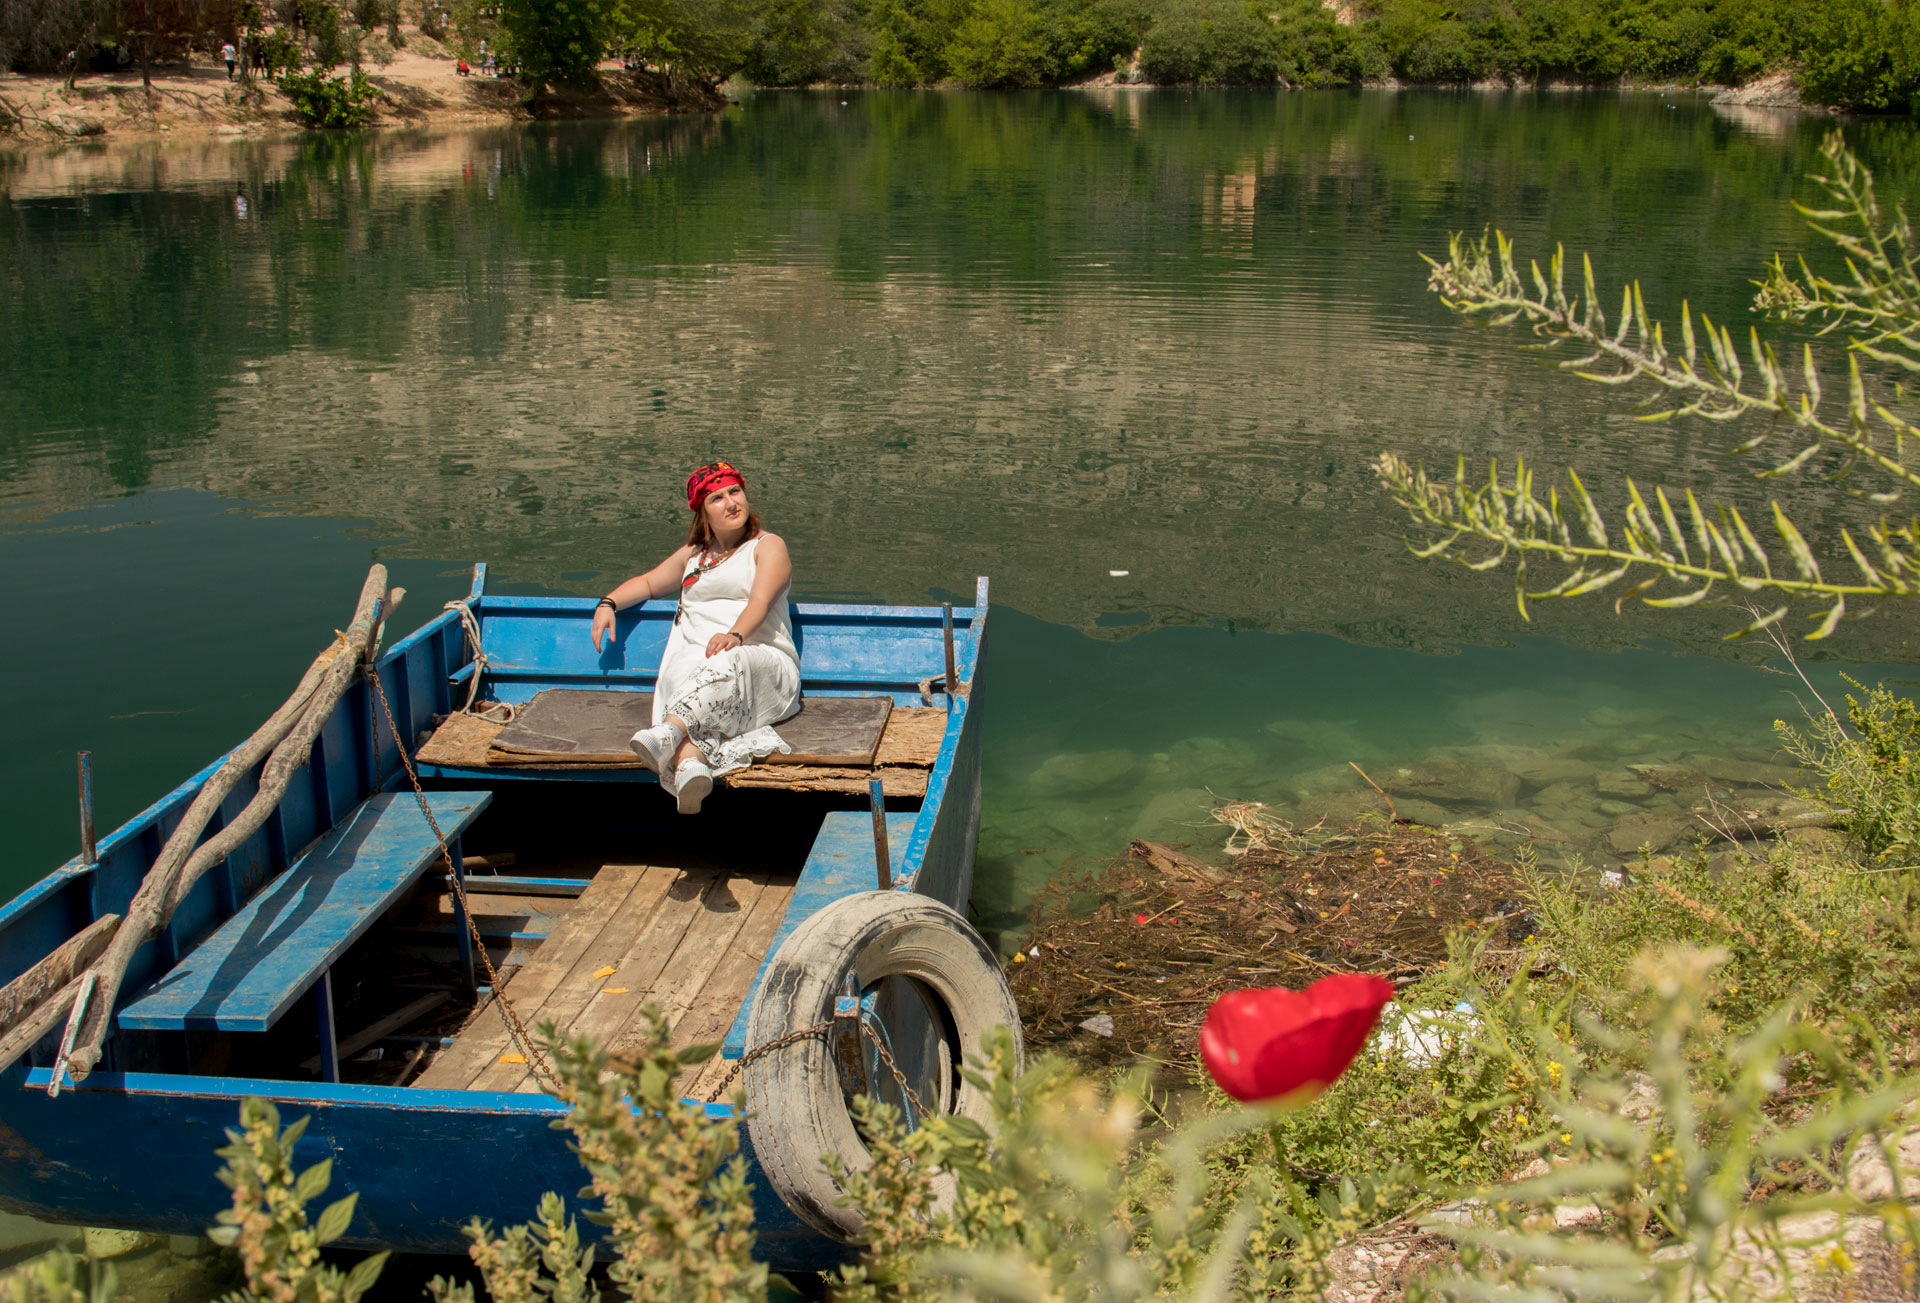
{"points": [[252, 968]]}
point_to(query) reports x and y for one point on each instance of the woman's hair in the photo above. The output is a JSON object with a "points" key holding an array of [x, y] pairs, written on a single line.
{"points": [[699, 536]]}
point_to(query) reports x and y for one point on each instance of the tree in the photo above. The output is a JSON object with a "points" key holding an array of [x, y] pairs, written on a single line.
{"points": [[684, 49], [558, 40], [1714, 551]]}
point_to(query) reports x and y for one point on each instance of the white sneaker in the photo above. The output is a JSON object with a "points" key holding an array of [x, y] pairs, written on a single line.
{"points": [[655, 747], [692, 782]]}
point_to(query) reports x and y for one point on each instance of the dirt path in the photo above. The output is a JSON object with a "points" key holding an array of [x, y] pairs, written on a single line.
{"points": [[420, 86]]}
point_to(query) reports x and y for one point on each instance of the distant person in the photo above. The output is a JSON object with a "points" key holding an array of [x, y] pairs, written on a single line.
{"points": [[488, 67], [258, 50], [462, 69], [730, 671], [232, 56]]}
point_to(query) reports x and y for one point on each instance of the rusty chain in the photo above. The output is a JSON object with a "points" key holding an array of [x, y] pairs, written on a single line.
{"points": [[536, 1061], [807, 1033]]}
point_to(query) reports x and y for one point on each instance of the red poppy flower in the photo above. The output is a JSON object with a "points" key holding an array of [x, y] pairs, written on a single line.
{"points": [[1268, 1043]]}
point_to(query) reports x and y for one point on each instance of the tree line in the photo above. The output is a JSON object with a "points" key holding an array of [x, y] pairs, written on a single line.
{"points": [[1857, 54]]}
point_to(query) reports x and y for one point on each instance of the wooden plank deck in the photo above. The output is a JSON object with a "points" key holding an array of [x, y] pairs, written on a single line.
{"points": [[688, 940]]}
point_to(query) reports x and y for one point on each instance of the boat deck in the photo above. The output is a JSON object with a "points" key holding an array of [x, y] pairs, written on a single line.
{"points": [[689, 940]]}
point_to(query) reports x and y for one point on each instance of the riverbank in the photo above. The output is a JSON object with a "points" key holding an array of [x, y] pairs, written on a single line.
{"points": [[420, 86]]}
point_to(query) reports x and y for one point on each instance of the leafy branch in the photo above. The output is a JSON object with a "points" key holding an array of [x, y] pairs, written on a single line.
{"points": [[1716, 553]]}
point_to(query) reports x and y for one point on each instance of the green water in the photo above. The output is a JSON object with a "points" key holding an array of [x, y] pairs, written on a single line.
{"points": [[1041, 337]]}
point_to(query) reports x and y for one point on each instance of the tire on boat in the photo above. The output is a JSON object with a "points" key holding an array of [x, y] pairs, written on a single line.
{"points": [[796, 1109]]}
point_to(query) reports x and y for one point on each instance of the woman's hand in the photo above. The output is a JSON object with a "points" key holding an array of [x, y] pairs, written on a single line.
{"points": [[724, 642], [602, 623]]}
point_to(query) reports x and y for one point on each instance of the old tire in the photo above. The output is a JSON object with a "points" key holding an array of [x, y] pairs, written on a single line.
{"points": [[796, 1109]]}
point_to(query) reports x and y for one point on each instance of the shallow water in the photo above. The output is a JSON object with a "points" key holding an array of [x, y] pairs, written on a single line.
{"points": [[1041, 337]]}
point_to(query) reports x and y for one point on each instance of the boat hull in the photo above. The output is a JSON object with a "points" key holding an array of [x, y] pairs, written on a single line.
{"points": [[135, 1149]]}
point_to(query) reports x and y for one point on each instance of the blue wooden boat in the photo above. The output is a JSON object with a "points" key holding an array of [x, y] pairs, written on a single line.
{"points": [[327, 964]]}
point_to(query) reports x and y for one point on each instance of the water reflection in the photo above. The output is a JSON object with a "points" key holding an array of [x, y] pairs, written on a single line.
{"points": [[1041, 337]]}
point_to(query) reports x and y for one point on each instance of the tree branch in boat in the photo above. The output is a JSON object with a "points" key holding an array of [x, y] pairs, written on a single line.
{"points": [[289, 736]]}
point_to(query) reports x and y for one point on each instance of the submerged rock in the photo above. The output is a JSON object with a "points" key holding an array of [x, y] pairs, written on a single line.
{"points": [[1077, 773], [1654, 831], [1621, 783], [1451, 782]]}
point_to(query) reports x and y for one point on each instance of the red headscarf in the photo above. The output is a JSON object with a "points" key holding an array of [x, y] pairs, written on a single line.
{"points": [[707, 479]]}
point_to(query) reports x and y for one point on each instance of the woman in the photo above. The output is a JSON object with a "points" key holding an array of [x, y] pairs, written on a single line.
{"points": [[730, 671]]}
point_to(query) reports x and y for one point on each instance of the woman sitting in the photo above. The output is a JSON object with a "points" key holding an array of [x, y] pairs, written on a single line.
{"points": [[730, 671]]}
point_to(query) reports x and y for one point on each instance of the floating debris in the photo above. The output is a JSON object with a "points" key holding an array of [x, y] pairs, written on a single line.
{"points": [[1143, 946]]}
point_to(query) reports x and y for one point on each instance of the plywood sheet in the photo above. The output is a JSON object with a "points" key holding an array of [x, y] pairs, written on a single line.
{"points": [[592, 725]]}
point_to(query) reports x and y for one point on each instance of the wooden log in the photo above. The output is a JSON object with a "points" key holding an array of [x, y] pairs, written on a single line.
{"points": [[40, 1020], [29, 990], [30, 1005], [297, 722]]}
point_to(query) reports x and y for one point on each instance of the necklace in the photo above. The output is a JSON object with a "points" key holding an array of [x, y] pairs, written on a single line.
{"points": [[706, 562]]}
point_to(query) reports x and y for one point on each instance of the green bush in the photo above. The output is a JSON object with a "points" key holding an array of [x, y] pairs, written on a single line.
{"points": [[1861, 54], [1211, 42], [333, 102], [793, 42]]}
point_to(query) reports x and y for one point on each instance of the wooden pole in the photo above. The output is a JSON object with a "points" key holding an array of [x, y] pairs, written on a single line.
{"points": [[87, 855], [946, 622], [879, 802]]}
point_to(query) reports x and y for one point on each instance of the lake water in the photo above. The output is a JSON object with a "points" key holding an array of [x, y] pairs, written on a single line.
{"points": [[1128, 353]]}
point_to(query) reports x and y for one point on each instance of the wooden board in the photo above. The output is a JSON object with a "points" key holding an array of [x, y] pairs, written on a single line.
{"points": [[908, 748], [690, 941], [253, 967], [593, 725], [485, 1037]]}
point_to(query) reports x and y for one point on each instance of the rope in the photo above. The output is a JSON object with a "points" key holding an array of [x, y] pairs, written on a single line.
{"points": [[515, 1028], [499, 712]]}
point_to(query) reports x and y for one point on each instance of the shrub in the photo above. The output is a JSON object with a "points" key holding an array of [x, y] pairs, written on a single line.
{"points": [[998, 45], [1872, 774], [1860, 54], [333, 102], [1212, 42]]}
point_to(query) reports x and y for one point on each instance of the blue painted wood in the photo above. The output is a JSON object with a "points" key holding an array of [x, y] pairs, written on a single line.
{"points": [[247, 974], [493, 1155], [840, 863], [421, 1161]]}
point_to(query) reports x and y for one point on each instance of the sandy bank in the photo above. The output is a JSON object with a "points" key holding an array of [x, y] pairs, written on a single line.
{"points": [[420, 86]]}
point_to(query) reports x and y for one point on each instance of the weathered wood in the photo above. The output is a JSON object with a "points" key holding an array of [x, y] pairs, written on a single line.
{"points": [[594, 967], [592, 725], [676, 985], [711, 1015], [1173, 864], [38, 984], [286, 739], [662, 894], [38, 1021], [393, 1022], [485, 1037]]}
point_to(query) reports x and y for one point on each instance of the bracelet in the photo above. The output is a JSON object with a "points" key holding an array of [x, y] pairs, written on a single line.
{"points": [[735, 633], [607, 602]]}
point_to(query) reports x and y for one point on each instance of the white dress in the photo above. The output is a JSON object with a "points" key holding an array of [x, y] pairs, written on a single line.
{"points": [[728, 702]]}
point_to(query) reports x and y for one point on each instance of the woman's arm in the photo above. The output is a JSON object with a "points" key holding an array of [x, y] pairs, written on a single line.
{"points": [[661, 581], [772, 571]]}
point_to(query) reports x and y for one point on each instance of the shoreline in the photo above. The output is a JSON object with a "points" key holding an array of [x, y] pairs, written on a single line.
{"points": [[421, 88]]}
